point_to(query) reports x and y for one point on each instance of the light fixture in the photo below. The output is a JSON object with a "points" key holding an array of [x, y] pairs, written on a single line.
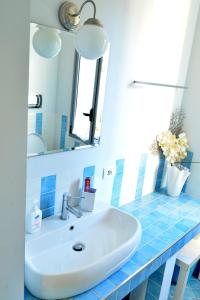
{"points": [[91, 39], [47, 42]]}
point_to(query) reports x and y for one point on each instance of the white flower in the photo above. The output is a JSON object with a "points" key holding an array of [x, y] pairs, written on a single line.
{"points": [[174, 149]]}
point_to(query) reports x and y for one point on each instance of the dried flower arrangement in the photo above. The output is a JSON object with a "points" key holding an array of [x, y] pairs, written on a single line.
{"points": [[176, 122]]}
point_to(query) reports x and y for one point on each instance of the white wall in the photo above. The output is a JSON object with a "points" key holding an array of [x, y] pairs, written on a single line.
{"points": [[191, 106], [14, 37], [145, 45]]}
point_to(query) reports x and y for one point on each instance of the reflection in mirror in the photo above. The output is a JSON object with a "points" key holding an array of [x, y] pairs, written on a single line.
{"points": [[85, 100], [66, 95], [35, 101]]}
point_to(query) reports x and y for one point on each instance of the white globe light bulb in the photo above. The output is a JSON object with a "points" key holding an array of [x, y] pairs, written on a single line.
{"points": [[91, 40], [47, 42]]}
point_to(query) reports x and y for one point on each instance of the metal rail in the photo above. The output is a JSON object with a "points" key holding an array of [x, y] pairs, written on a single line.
{"points": [[160, 84]]}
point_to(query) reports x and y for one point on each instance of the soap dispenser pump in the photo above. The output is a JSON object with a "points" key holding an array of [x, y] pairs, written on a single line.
{"points": [[34, 219]]}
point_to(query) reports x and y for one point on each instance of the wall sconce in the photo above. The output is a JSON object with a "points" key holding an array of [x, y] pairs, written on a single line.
{"points": [[47, 42], [91, 39]]}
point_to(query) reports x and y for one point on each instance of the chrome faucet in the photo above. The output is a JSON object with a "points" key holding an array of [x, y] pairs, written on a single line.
{"points": [[66, 207]]}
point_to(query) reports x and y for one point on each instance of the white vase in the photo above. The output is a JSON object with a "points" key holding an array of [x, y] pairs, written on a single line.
{"points": [[176, 177]]}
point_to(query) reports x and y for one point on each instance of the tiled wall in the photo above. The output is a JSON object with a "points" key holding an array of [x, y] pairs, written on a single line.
{"points": [[48, 186], [141, 175], [63, 131], [187, 163], [38, 123], [35, 120], [117, 182], [160, 173], [50, 192], [47, 195]]}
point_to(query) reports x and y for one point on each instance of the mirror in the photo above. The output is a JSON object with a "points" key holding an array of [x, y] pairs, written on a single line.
{"points": [[66, 95]]}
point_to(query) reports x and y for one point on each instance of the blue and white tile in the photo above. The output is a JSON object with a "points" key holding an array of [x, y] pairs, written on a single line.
{"points": [[192, 291], [104, 288], [38, 123], [117, 183], [63, 129], [160, 171], [152, 245], [47, 196], [48, 184], [124, 290], [141, 175]]}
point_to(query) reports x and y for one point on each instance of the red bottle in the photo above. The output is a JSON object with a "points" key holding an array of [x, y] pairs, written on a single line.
{"points": [[87, 184]]}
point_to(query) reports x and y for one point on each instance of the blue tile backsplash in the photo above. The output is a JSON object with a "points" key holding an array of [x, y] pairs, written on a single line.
{"points": [[187, 162], [48, 184], [117, 182], [141, 175], [63, 131], [47, 200], [38, 123], [47, 195], [48, 212], [160, 172]]}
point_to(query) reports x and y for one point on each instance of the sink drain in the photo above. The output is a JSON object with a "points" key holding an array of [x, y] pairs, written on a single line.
{"points": [[78, 247]]}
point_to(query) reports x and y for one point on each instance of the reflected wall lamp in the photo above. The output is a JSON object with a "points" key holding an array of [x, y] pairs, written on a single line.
{"points": [[91, 39], [46, 42]]}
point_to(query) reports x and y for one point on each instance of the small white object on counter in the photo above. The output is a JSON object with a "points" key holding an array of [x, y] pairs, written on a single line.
{"points": [[88, 200], [34, 219]]}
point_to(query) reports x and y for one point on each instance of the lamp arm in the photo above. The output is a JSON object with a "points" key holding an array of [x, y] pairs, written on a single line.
{"points": [[81, 8]]}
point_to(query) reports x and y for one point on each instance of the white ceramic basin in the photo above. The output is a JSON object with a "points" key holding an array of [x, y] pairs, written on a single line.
{"points": [[53, 270]]}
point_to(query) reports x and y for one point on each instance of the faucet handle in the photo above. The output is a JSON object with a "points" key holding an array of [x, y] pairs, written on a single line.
{"points": [[70, 198], [66, 196]]}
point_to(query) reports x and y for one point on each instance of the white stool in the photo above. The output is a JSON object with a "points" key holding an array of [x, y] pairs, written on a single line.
{"points": [[186, 258]]}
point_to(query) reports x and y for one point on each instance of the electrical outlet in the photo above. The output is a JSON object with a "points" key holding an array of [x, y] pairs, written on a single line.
{"points": [[109, 172]]}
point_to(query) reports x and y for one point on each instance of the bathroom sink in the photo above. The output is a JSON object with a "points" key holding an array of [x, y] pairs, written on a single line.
{"points": [[78, 255]]}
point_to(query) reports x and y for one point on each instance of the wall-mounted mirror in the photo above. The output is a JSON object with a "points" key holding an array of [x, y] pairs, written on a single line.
{"points": [[66, 95]]}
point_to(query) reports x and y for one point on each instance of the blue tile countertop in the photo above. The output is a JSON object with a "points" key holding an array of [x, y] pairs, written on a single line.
{"points": [[168, 224]]}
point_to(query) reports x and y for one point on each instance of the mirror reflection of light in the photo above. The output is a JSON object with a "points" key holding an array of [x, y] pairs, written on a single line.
{"points": [[47, 42]]}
